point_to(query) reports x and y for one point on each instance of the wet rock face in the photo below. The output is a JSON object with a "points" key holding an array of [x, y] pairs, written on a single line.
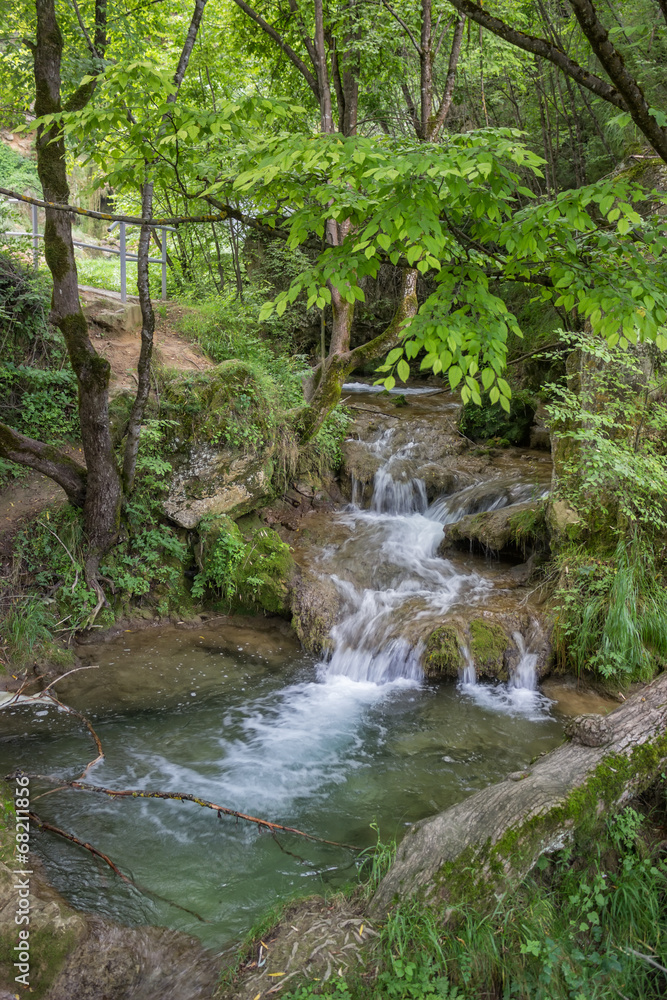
{"points": [[513, 530], [316, 605], [490, 638], [589, 730]]}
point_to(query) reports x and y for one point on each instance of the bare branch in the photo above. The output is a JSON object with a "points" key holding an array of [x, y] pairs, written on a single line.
{"points": [[448, 91], [116, 793], [402, 23], [541, 47], [283, 45]]}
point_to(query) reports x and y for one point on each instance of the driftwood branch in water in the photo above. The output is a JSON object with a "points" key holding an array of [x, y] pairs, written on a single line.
{"points": [[139, 793], [45, 697], [493, 838], [43, 825]]}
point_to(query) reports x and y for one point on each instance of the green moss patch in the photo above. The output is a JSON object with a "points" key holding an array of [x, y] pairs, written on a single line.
{"points": [[443, 656]]}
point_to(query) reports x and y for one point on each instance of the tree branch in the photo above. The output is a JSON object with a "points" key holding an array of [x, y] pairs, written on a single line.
{"points": [[283, 45], [51, 462], [448, 92], [141, 793], [625, 83], [402, 23], [541, 47], [226, 212]]}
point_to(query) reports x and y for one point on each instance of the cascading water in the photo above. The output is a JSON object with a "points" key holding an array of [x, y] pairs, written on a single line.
{"points": [[238, 714], [524, 676]]}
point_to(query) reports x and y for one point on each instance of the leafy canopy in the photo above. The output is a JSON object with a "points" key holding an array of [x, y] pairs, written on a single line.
{"points": [[462, 214]]}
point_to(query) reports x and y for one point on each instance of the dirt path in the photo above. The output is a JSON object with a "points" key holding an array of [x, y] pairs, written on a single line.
{"points": [[171, 349]]}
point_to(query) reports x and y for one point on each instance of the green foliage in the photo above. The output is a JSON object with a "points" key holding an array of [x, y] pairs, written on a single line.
{"points": [[43, 402], [151, 556], [24, 305], [490, 420], [612, 611], [243, 572], [468, 227], [18, 172], [24, 629], [227, 328], [329, 439], [612, 419], [50, 553]]}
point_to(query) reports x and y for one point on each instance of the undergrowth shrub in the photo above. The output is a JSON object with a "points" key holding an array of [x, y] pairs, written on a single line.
{"points": [[612, 611], [609, 421], [489, 420], [243, 572], [588, 923]]}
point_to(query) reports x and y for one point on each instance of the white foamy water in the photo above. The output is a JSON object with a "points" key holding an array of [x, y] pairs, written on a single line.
{"points": [[405, 391], [518, 696]]}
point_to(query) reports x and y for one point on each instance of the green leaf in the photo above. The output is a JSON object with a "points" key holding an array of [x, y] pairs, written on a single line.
{"points": [[455, 375], [403, 370], [488, 377]]}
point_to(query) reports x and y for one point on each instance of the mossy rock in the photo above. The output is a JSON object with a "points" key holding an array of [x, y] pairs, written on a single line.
{"points": [[266, 574], [443, 657], [512, 531], [315, 608], [246, 571], [227, 405], [488, 644]]}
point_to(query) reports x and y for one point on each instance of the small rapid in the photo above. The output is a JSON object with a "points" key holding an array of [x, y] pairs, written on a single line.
{"points": [[394, 586], [237, 713]]}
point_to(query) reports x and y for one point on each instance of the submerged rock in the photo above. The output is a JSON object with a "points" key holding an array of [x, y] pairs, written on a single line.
{"points": [[73, 955]]}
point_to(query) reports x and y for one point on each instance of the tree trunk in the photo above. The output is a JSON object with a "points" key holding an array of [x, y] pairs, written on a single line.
{"points": [[493, 838], [51, 462], [103, 492], [146, 352], [324, 385]]}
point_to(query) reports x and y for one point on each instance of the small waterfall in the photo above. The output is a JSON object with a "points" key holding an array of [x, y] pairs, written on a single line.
{"points": [[364, 647], [468, 672], [392, 496], [525, 673]]}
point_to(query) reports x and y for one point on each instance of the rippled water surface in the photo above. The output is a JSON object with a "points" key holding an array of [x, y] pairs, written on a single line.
{"points": [[242, 718]]}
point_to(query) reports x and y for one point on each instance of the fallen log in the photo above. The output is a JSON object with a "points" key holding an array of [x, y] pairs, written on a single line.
{"points": [[485, 844]]}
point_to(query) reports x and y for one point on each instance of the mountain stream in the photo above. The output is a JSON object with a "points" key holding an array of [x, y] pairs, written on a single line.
{"points": [[235, 712]]}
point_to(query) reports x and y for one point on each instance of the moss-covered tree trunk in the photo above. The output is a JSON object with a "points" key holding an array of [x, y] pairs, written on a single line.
{"points": [[324, 388], [103, 486], [492, 839]]}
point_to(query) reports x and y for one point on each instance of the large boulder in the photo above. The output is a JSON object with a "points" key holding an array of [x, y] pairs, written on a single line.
{"points": [[513, 530], [221, 444], [207, 481]]}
